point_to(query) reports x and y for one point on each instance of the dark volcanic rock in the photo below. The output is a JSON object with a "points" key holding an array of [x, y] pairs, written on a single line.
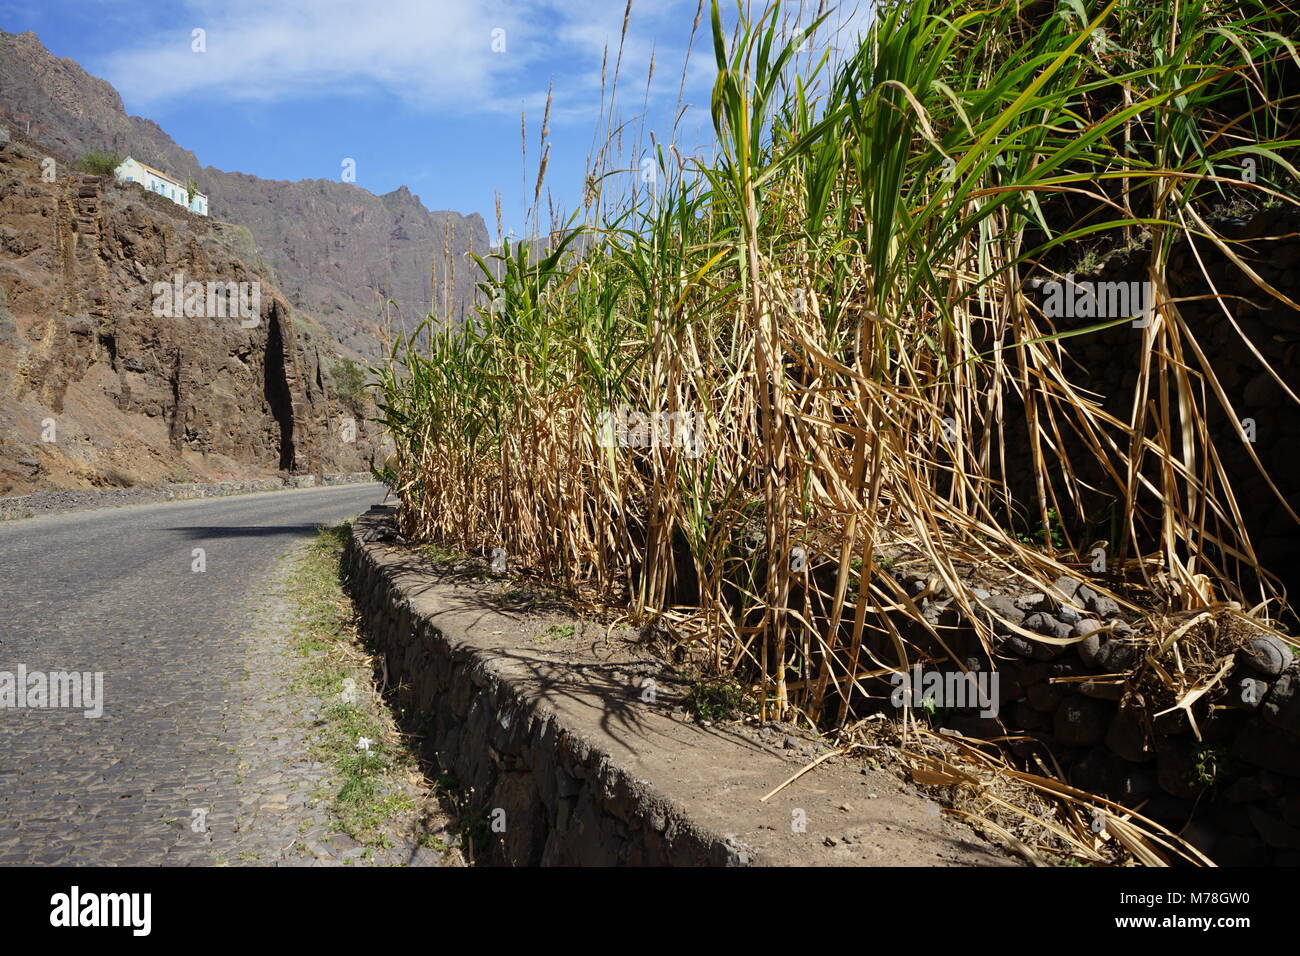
{"points": [[1176, 759], [1233, 850], [1102, 606], [1078, 722], [1045, 698], [1127, 738], [1282, 705], [1117, 656], [1267, 654], [1272, 830], [1269, 748], [1049, 626], [1002, 608], [1089, 648]]}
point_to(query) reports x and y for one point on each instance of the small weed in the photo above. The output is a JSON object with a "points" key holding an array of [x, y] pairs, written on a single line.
{"points": [[716, 700], [517, 598], [557, 632], [1088, 263], [1211, 763], [475, 829], [434, 842], [1051, 531], [440, 556]]}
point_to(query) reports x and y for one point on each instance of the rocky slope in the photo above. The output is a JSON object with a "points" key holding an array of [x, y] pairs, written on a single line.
{"points": [[98, 389], [336, 250], [340, 252]]}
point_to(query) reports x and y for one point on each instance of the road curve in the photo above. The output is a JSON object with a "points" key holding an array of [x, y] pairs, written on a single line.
{"points": [[122, 592]]}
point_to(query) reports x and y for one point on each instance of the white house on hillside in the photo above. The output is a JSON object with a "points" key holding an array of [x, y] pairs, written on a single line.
{"points": [[134, 171]]}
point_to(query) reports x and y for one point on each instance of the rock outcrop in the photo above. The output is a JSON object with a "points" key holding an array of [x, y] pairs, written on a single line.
{"points": [[103, 384]]}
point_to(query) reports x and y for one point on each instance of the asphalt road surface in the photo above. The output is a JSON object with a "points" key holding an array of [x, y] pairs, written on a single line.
{"points": [[123, 593]]}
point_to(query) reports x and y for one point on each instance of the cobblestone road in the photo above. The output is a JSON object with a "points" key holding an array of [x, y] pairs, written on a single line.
{"points": [[193, 676]]}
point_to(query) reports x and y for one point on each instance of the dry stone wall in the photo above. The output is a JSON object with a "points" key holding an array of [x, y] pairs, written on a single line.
{"points": [[564, 800], [1234, 792], [1265, 420]]}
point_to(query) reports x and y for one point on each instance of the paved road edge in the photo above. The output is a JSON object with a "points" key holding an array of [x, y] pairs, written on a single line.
{"points": [[62, 501]]}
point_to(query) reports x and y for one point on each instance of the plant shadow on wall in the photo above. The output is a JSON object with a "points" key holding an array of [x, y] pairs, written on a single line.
{"points": [[851, 298], [484, 668]]}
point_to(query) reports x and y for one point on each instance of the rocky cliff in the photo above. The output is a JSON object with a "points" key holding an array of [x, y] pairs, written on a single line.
{"points": [[109, 379], [336, 250], [341, 252]]}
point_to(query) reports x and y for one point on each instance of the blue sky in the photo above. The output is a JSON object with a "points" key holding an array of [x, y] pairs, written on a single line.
{"points": [[422, 93]]}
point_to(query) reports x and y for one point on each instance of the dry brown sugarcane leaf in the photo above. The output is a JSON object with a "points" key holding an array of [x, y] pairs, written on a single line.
{"points": [[1019, 846], [795, 776], [1192, 696], [1182, 629], [1158, 832], [938, 778], [1084, 849]]}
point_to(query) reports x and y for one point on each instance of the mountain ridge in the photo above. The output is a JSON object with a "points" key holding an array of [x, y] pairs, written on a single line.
{"points": [[337, 250]]}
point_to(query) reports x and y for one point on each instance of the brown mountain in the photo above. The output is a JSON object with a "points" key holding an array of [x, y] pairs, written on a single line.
{"points": [[107, 378], [335, 249]]}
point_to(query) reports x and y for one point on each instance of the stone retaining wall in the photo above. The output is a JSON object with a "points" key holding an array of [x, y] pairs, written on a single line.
{"points": [[1234, 793], [559, 796]]}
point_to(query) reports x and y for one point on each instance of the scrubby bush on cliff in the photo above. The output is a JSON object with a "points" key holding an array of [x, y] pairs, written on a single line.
{"points": [[350, 383], [99, 162]]}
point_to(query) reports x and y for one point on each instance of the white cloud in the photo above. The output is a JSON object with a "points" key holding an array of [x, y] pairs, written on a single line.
{"points": [[435, 53], [432, 54], [437, 56]]}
